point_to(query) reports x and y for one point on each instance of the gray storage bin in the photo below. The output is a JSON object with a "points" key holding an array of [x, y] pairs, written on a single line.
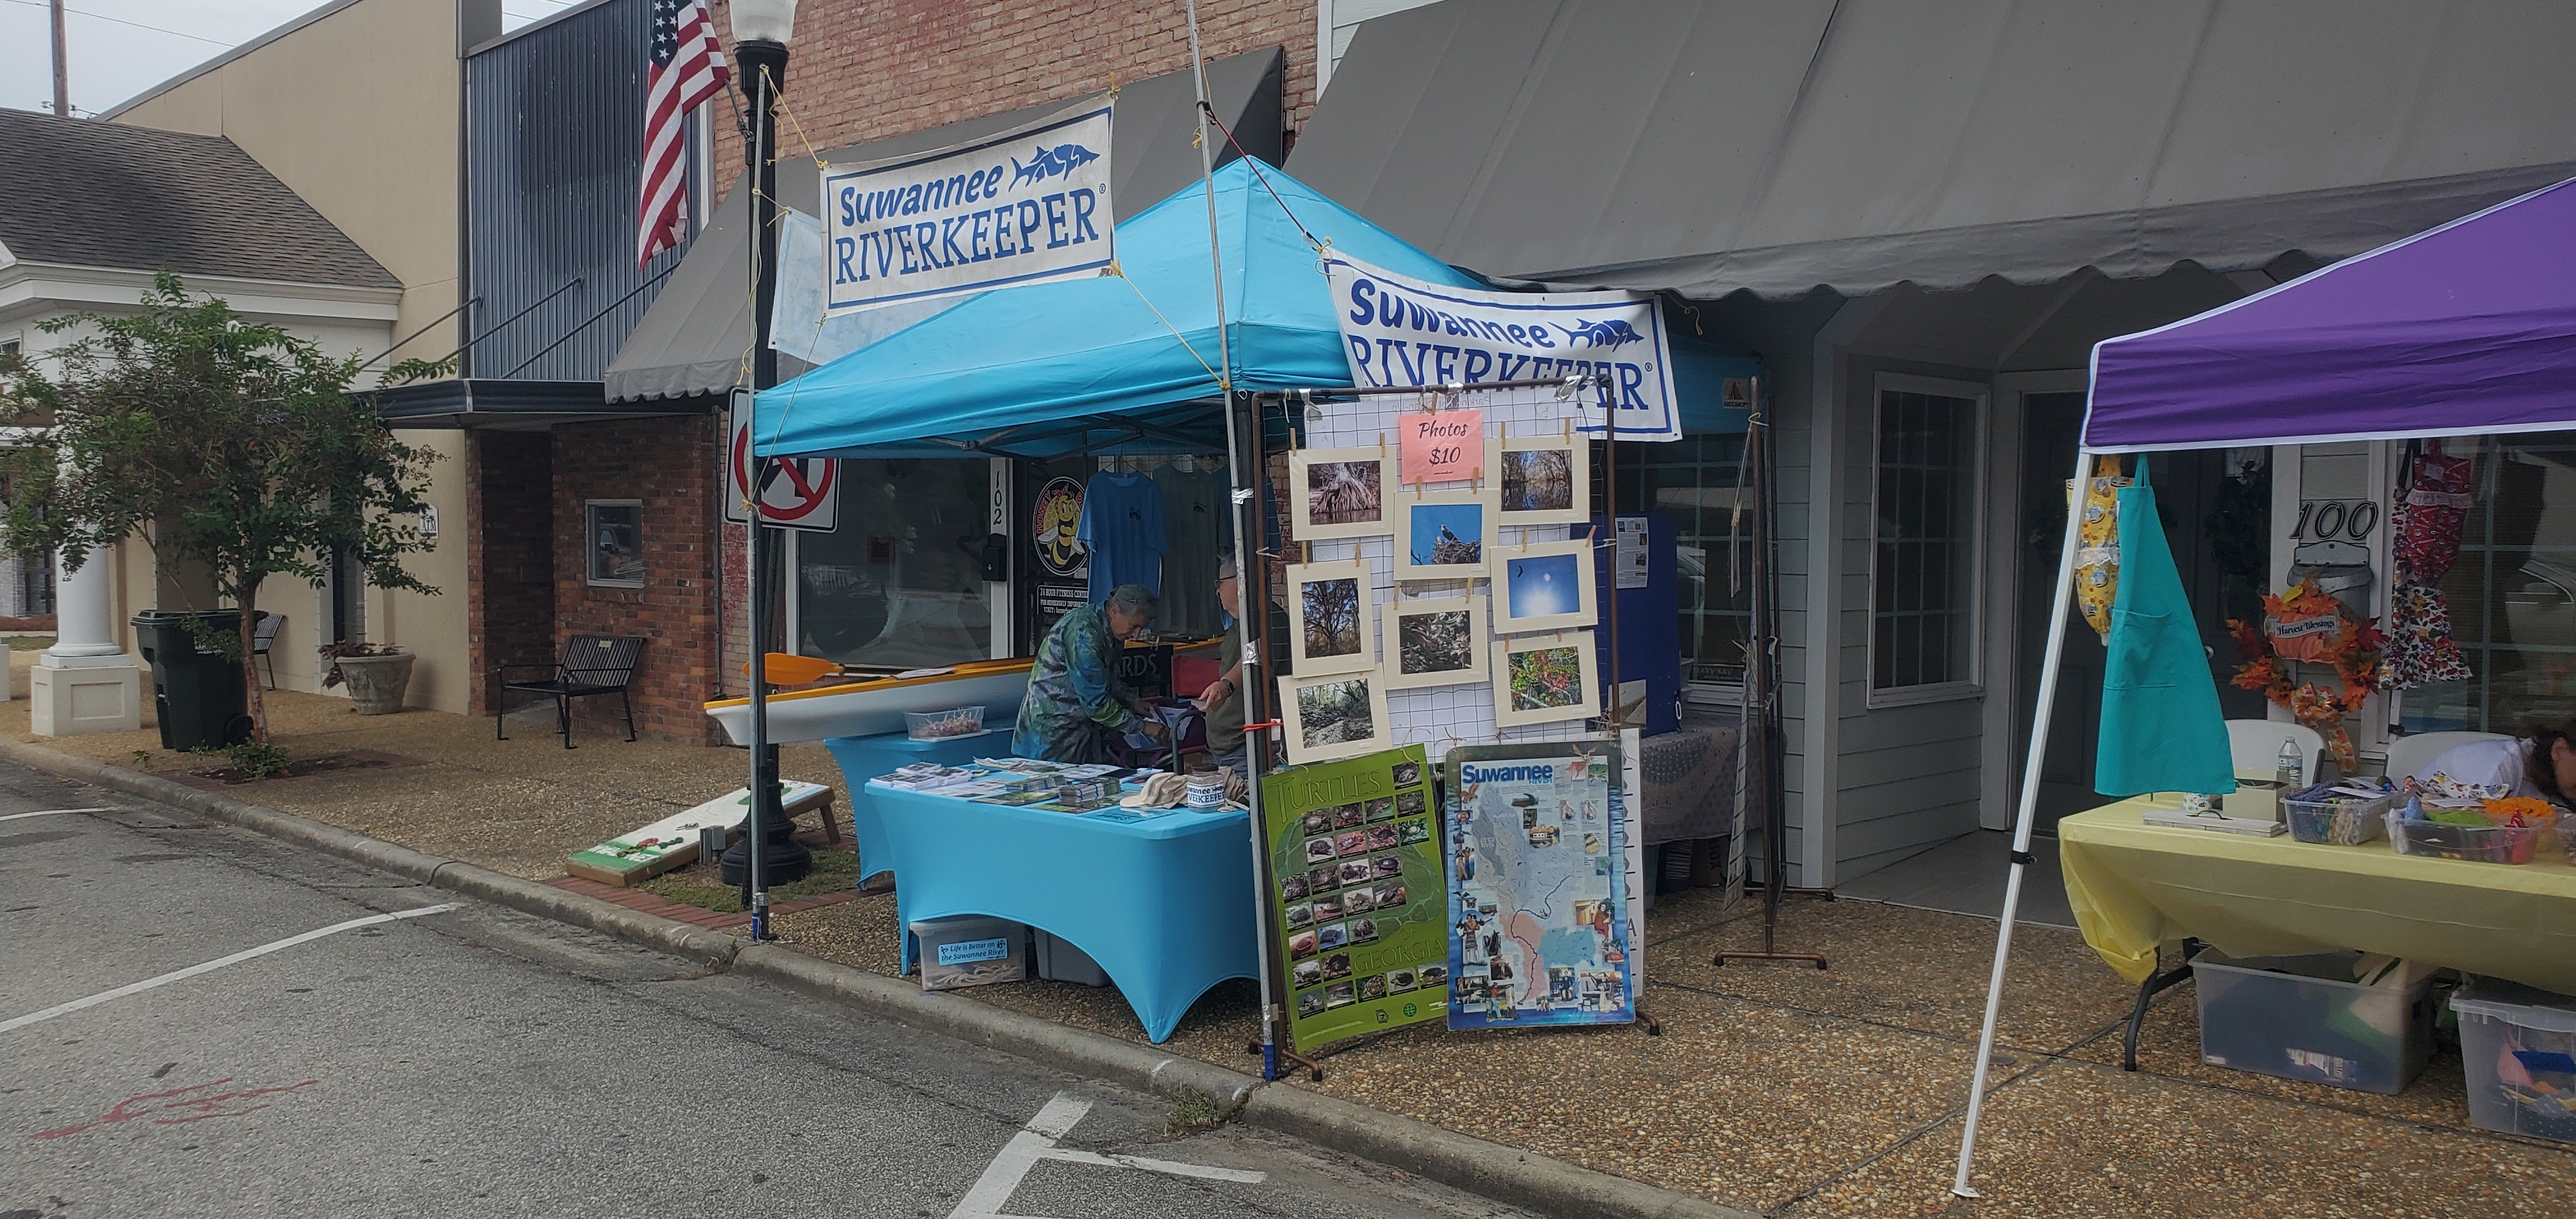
{"points": [[2535, 1030], [2294, 1017], [970, 950], [1060, 961]]}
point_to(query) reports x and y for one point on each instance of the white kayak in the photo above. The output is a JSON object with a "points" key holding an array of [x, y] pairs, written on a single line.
{"points": [[875, 706]]}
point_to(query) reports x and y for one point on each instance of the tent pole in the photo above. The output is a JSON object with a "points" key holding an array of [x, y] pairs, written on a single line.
{"points": [[2048, 669], [1245, 553]]}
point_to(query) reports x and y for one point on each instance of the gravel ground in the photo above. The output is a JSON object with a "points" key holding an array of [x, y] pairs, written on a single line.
{"points": [[1774, 1086]]}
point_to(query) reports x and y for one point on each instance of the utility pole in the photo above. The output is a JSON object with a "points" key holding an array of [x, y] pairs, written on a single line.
{"points": [[62, 73]]}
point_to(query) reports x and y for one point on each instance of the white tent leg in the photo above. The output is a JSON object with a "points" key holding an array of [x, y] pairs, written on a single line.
{"points": [[2048, 667]]}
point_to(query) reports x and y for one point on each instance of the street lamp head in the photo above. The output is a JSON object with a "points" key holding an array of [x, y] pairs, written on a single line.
{"points": [[763, 20]]}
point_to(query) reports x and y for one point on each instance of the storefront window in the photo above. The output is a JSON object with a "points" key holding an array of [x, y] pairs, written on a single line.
{"points": [[1695, 481], [616, 533], [1923, 557], [2512, 593], [899, 584]]}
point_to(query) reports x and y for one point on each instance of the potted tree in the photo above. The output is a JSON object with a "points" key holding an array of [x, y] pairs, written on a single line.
{"points": [[217, 440]]}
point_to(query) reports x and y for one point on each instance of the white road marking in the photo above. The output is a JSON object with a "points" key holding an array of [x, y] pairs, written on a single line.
{"points": [[54, 812], [65, 1009], [1036, 1142]]}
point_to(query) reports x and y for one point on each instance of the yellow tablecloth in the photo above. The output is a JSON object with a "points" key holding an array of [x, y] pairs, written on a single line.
{"points": [[2136, 886]]}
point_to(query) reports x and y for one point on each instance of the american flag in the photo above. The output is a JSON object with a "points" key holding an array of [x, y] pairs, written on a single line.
{"points": [[688, 68]]}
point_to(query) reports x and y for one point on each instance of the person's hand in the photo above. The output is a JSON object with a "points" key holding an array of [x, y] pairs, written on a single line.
{"points": [[1217, 691]]}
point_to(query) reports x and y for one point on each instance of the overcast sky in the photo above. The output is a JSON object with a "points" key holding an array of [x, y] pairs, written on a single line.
{"points": [[122, 47]]}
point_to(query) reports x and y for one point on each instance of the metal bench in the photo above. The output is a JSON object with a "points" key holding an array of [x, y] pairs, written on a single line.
{"points": [[592, 665]]}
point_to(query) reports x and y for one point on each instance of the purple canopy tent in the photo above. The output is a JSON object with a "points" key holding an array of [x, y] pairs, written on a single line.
{"points": [[2466, 329]]}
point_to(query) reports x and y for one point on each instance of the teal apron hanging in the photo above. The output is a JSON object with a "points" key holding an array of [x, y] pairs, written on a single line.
{"points": [[2161, 727]]}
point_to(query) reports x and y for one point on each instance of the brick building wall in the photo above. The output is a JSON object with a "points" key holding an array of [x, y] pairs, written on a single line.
{"points": [[860, 71], [509, 555], [669, 464]]}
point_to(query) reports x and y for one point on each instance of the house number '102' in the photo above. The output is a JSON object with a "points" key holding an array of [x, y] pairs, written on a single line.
{"points": [[2329, 519]]}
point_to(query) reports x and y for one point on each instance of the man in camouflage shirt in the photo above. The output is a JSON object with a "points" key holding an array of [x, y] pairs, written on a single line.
{"points": [[1076, 703]]}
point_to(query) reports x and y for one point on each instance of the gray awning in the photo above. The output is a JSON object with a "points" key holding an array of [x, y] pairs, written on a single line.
{"points": [[1786, 144], [694, 338]]}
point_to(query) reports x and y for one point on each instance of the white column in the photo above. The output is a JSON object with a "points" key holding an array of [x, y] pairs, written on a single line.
{"points": [[84, 683]]}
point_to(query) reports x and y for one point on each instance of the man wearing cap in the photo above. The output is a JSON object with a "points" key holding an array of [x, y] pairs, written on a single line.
{"points": [[1076, 704], [1223, 698]]}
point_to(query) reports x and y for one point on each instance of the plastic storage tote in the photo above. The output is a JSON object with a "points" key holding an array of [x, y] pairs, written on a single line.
{"points": [[2343, 822], [2476, 843], [2520, 1048], [1060, 961], [2296, 1018], [970, 950]]}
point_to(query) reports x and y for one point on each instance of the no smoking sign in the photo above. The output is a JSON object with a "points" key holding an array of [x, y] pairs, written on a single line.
{"points": [[799, 494]]}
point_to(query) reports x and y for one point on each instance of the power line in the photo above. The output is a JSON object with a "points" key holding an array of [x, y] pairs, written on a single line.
{"points": [[122, 21]]}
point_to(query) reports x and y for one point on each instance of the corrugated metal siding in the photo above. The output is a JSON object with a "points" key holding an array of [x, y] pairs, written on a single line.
{"points": [[554, 133]]}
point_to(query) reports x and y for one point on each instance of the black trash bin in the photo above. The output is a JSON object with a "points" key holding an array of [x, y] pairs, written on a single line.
{"points": [[197, 691]]}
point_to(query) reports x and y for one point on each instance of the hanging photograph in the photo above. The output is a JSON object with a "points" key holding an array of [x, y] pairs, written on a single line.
{"points": [[1543, 586], [1332, 618], [1443, 535], [1540, 480], [1339, 715], [1340, 493], [1542, 679], [1434, 641]]}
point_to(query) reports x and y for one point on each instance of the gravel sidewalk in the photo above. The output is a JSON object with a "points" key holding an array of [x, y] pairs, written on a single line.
{"points": [[1774, 1087]]}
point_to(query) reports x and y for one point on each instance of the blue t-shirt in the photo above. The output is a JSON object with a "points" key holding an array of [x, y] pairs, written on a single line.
{"points": [[1122, 525]]}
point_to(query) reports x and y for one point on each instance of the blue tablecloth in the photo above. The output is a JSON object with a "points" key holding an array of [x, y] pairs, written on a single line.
{"points": [[866, 757], [1163, 905]]}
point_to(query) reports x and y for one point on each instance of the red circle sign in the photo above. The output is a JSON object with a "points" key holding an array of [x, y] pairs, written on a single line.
{"points": [[802, 487]]}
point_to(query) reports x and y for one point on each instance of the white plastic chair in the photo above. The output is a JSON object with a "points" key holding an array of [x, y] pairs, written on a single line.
{"points": [[2409, 754], [2254, 746]]}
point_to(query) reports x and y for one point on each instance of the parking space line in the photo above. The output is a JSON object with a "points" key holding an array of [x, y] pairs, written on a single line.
{"points": [[65, 1009], [1036, 1142], [54, 812]]}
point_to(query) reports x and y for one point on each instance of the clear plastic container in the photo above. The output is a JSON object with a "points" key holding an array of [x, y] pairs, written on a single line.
{"points": [[2519, 1047], [970, 950], [2342, 822], [2476, 843], [943, 725], [2296, 1018]]}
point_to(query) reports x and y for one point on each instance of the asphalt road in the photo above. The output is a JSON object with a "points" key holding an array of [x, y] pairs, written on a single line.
{"points": [[477, 1061]]}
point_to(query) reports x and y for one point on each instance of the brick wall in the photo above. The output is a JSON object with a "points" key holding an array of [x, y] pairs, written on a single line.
{"points": [[860, 71], [509, 555], [669, 464]]}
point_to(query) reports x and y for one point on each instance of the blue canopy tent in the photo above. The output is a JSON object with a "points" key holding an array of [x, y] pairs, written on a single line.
{"points": [[1089, 365]]}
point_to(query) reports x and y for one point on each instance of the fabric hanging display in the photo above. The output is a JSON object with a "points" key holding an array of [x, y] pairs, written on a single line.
{"points": [[2421, 651], [2097, 552], [1122, 525], [2431, 513]]}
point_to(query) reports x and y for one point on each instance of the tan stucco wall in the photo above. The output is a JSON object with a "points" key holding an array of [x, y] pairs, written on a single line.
{"points": [[357, 111]]}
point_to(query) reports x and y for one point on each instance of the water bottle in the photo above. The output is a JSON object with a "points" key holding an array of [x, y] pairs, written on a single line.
{"points": [[2291, 764]]}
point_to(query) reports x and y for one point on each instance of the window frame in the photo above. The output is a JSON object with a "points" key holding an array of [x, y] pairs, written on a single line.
{"points": [[590, 541], [1972, 500]]}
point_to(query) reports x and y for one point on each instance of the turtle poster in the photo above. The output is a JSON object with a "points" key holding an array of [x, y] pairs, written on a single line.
{"points": [[1355, 872], [1538, 893]]}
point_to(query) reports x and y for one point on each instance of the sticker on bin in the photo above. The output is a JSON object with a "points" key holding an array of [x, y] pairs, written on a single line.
{"points": [[967, 952]]}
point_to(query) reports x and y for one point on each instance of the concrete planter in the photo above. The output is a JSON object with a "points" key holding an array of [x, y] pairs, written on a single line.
{"points": [[376, 683]]}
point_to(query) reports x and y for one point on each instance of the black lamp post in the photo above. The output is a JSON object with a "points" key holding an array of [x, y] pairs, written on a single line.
{"points": [[768, 853]]}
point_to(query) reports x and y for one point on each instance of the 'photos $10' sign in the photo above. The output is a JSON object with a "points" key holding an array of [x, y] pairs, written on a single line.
{"points": [[1447, 446]]}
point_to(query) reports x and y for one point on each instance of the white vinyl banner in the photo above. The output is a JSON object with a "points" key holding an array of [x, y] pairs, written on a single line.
{"points": [[1023, 207], [1401, 331]]}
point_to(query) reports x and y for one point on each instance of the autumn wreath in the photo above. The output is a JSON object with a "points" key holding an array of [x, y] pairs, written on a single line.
{"points": [[2351, 647]]}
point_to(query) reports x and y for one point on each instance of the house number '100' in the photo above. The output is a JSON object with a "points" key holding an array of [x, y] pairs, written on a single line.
{"points": [[2327, 519]]}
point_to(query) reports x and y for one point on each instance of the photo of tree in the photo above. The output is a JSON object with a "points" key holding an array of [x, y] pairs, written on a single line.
{"points": [[1342, 493], [1538, 480], [1440, 642], [1543, 679], [1335, 712], [1332, 617]]}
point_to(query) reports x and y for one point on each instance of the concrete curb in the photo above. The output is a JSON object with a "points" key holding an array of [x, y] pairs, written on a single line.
{"points": [[1503, 1174]]}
